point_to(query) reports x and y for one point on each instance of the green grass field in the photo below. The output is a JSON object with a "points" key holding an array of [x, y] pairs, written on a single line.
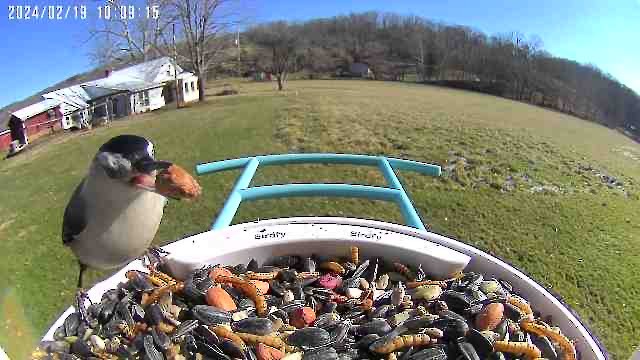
{"points": [[520, 182]]}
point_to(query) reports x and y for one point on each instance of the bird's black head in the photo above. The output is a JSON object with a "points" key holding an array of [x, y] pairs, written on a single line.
{"points": [[130, 158]]}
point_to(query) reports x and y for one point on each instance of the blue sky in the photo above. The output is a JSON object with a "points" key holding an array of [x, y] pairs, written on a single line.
{"points": [[38, 53]]}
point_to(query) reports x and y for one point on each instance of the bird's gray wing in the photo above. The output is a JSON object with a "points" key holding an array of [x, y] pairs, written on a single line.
{"points": [[75, 217]]}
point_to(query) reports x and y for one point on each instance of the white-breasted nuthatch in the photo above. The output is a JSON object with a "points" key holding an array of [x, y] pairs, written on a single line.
{"points": [[115, 211]]}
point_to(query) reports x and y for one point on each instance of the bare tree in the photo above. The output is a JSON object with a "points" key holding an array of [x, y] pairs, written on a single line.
{"points": [[103, 51], [123, 36], [119, 37], [205, 27], [280, 43], [318, 61], [421, 49]]}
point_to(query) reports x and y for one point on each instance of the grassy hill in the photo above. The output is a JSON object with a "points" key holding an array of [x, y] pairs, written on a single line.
{"points": [[555, 195]]}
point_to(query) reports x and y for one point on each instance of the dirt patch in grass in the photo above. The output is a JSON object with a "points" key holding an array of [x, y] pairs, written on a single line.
{"points": [[5, 224], [628, 152]]}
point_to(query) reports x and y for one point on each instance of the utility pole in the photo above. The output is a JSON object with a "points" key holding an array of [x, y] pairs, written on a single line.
{"points": [[238, 49], [175, 67]]}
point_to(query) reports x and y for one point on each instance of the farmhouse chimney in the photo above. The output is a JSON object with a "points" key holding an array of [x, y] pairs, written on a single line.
{"points": [[107, 72]]}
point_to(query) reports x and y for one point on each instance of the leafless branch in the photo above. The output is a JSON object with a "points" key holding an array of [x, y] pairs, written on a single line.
{"points": [[204, 23]]}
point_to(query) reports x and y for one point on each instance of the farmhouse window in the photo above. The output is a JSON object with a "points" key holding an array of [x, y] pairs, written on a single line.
{"points": [[146, 98], [193, 88], [186, 87]]}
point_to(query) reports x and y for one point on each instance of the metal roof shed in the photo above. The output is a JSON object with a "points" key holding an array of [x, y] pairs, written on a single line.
{"points": [[73, 98], [35, 109]]}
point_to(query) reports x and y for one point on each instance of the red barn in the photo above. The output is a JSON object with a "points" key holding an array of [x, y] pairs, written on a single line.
{"points": [[31, 122], [5, 139]]}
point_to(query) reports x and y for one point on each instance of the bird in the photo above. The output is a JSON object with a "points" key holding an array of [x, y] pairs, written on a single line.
{"points": [[115, 211]]}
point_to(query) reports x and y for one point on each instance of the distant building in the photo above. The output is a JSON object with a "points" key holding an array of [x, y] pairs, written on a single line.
{"points": [[132, 90], [74, 106], [360, 70], [135, 89], [357, 69], [188, 82], [5, 139], [31, 122], [149, 85]]}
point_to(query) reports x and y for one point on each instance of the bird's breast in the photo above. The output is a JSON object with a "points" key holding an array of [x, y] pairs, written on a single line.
{"points": [[121, 226]]}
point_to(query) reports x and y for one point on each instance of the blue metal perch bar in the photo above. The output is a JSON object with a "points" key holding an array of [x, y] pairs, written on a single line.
{"points": [[241, 190]]}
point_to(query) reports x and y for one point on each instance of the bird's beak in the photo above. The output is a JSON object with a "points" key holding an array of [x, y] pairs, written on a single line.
{"points": [[144, 176]]}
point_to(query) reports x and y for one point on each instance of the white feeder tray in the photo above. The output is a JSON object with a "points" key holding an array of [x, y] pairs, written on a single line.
{"points": [[439, 255]]}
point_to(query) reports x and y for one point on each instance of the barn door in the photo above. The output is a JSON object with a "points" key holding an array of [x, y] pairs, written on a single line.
{"points": [[18, 131]]}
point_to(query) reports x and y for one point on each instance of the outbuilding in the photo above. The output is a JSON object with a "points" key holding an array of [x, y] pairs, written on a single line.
{"points": [[360, 70], [74, 106], [5, 139], [34, 120], [188, 83]]}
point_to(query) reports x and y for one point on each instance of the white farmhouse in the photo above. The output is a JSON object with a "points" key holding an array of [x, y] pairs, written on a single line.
{"points": [[132, 90], [150, 85]]}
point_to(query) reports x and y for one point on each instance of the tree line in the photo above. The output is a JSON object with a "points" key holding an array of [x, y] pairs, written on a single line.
{"points": [[399, 47], [199, 35]]}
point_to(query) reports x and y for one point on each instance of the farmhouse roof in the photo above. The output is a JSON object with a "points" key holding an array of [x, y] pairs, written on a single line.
{"points": [[96, 92], [35, 109], [124, 85], [138, 77], [146, 71]]}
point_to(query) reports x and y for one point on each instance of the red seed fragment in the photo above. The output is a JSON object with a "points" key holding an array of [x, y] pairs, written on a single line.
{"points": [[264, 352], [489, 317], [218, 297], [329, 281], [302, 317]]}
